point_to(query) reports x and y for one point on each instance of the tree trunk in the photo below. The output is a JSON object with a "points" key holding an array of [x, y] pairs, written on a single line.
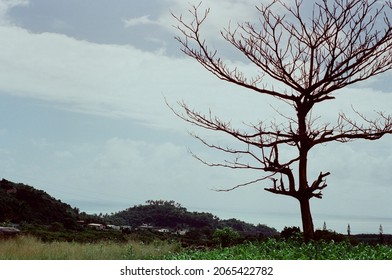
{"points": [[307, 220]]}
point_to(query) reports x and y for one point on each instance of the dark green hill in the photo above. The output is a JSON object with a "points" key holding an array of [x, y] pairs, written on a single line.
{"points": [[173, 216], [21, 203]]}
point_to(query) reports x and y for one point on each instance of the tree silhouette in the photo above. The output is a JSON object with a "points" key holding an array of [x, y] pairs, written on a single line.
{"points": [[340, 43]]}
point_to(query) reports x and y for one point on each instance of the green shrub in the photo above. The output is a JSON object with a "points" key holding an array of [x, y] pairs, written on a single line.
{"points": [[328, 235], [226, 236], [291, 233], [273, 249]]}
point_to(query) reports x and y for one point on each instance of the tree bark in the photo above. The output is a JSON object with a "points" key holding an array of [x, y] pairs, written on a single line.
{"points": [[303, 188], [307, 220]]}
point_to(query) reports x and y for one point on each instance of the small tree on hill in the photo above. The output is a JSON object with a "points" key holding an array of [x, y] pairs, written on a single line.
{"points": [[342, 42], [226, 236]]}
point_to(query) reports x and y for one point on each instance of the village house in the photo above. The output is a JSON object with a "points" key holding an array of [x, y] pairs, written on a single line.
{"points": [[96, 226], [182, 231], [113, 227]]}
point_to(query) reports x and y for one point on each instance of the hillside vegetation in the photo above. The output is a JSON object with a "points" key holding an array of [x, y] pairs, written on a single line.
{"points": [[173, 216], [21, 203], [48, 218]]}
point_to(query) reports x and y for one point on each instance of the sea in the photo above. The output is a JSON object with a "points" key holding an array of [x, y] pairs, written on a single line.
{"points": [[337, 223]]}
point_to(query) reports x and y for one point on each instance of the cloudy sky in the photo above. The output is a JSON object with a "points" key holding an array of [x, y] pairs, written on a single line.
{"points": [[83, 116]]}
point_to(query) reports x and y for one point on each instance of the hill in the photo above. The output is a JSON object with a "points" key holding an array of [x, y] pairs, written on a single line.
{"points": [[21, 203], [173, 216]]}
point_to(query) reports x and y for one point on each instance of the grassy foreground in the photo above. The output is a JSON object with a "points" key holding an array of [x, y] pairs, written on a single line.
{"points": [[31, 248], [273, 249]]}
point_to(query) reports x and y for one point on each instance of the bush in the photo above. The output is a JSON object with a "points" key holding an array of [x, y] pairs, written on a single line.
{"points": [[328, 236], [291, 233], [226, 237], [56, 226]]}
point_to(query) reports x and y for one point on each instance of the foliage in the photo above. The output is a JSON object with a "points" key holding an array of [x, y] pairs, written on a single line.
{"points": [[226, 237], [162, 214], [290, 232], [273, 249], [294, 233], [328, 235], [174, 216], [22, 203]]}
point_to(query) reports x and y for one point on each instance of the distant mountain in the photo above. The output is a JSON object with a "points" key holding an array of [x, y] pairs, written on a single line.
{"points": [[22, 203], [173, 216]]}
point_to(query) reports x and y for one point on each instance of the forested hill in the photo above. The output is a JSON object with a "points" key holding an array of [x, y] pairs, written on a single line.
{"points": [[173, 216], [22, 203]]}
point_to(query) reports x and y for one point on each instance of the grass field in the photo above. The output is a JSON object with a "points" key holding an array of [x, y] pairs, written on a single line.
{"points": [[30, 248], [273, 249]]}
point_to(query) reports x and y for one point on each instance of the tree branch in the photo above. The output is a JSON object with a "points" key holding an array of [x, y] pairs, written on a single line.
{"points": [[338, 45], [318, 185], [347, 129]]}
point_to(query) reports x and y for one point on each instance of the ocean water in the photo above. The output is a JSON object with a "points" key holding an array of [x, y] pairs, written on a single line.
{"points": [[338, 223]]}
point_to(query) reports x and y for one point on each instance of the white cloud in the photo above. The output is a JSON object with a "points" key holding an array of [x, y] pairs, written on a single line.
{"points": [[112, 80], [104, 79], [222, 13], [139, 21]]}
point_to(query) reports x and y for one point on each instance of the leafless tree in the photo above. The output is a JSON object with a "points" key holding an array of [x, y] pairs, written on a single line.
{"points": [[342, 42]]}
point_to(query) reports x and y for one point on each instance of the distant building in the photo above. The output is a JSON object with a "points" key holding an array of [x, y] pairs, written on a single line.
{"points": [[145, 227], [182, 231], [9, 231], [114, 227], [126, 228], [153, 228], [96, 226], [164, 230]]}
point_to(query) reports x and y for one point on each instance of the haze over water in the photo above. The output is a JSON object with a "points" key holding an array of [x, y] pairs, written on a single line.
{"points": [[338, 223]]}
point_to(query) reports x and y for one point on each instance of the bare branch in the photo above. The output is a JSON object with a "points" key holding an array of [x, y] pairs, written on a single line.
{"points": [[340, 43], [194, 46], [318, 185], [347, 129], [245, 184]]}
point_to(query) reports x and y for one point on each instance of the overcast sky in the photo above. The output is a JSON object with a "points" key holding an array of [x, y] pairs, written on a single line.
{"points": [[83, 116]]}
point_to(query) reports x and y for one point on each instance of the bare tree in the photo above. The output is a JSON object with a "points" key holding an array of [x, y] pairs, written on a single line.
{"points": [[339, 44]]}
